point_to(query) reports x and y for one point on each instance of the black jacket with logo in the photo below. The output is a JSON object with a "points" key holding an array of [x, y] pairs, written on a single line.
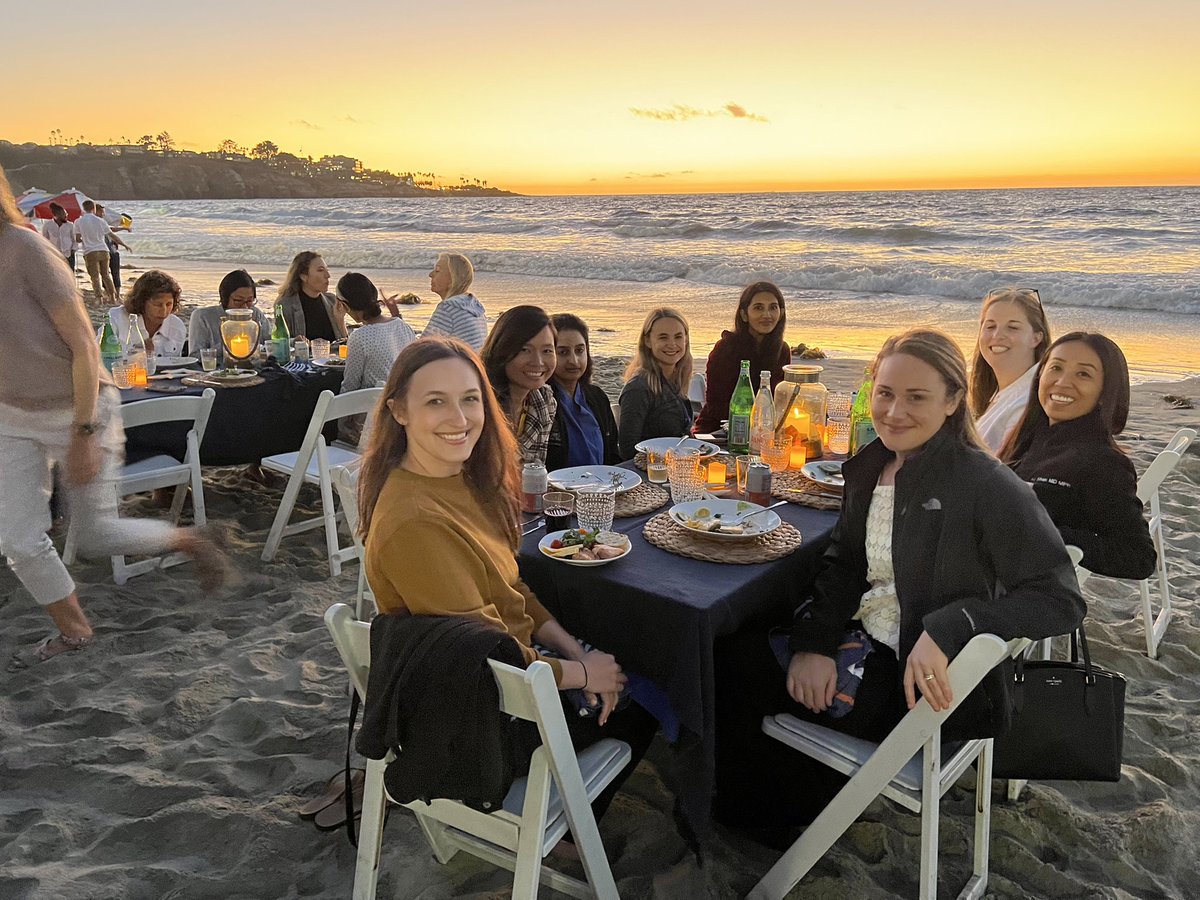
{"points": [[973, 552]]}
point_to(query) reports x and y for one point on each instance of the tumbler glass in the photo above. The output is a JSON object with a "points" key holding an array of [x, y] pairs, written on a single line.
{"points": [[595, 506], [687, 479]]}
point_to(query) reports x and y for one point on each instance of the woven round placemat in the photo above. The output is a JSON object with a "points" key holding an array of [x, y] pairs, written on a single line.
{"points": [[663, 533], [642, 499], [202, 381], [639, 460], [794, 487]]}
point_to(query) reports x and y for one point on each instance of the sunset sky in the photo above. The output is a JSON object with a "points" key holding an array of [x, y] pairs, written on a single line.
{"points": [[618, 96]]}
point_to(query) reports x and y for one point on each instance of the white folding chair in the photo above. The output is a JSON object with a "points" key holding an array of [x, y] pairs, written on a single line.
{"points": [[1147, 491], [345, 480], [616, 411], [697, 388], [311, 464], [539, 808], [159, 472], [908, 767]]}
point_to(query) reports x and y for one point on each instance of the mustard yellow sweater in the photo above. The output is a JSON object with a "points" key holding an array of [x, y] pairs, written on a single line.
{"points": [[433, 551]]}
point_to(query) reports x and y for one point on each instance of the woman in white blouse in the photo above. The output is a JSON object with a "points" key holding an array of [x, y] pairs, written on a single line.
{"points": [[1013, 337], [154, 297]]}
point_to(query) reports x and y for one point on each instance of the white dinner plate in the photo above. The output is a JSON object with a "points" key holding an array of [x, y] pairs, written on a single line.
{"points": [[162, 362], [544, 546], [585, 476], [232, 376], [827, 473], [685, 513], [330, 362], [663, 444]]}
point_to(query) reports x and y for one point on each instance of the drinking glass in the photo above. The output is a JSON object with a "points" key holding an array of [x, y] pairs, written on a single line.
{"points": [[687, 480], [656, 466], [743, 466], [595, 506], [837, 404], [775, 452], [320, 348], [837, 432], [120, 374], [557, 507], [343, 351], [208, 359]]}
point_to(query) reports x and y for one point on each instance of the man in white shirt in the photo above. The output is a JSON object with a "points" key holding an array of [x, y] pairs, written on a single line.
{"points": [[61, 234], [92, 230]]}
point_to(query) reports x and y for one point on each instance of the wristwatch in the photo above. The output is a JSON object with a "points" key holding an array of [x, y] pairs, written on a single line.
{"points": [[87, 429]]}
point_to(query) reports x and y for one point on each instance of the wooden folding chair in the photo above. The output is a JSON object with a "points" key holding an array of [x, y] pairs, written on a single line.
{"points": [[911, 767], [159, 472], [311, 464], [536, 813]]}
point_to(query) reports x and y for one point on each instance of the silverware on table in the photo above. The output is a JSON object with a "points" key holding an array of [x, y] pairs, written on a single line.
{"points": [[530, 527]]}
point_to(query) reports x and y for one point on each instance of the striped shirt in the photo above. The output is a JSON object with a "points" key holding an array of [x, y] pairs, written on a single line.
{"points": [[462, 317]]}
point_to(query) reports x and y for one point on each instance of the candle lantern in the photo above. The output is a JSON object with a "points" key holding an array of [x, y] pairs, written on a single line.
{"points": [[800, 407], [239, 336]]}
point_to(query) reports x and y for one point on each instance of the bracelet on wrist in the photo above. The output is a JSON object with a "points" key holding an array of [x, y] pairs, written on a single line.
{"points": [[585, 675]]}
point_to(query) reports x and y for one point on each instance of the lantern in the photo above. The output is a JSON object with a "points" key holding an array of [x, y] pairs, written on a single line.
{"points": [[239, 335]]}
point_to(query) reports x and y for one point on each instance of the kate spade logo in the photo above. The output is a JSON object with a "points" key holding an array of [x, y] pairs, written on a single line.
{"points": [[1054, 681]]}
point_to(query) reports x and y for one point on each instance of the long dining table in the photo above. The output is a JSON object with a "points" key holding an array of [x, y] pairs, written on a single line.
{"points": [[661, 614]]}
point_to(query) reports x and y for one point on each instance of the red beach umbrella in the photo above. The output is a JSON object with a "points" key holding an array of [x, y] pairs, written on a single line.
{"points": [[71, 201]]}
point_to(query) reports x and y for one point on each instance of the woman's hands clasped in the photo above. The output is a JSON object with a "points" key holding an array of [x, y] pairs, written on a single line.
{"points": [[605, 681]]}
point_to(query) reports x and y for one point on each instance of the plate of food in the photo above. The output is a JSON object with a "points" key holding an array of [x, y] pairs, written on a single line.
{"points": [[580, 547], [826, 473], [330, 362], [230, 375], [663, 444], [576, 477], [723, 519], [162, 362]]}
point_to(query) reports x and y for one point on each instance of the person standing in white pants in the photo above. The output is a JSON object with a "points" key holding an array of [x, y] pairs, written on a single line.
{"points": [[57, 404]]}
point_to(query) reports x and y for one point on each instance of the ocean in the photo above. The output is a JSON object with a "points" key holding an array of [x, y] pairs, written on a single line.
{"points": [[854, 266]]}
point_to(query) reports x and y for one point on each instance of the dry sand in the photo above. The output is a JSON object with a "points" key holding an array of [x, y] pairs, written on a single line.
{"points": [[169, 759]]}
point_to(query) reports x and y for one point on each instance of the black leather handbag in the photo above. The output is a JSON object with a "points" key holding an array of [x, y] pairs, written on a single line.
{"points": [[1068, 720]]}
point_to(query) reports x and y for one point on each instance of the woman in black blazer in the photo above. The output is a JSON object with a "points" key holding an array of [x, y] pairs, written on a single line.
{"points": [[584, 431], [1064, 447], [937, 542]]}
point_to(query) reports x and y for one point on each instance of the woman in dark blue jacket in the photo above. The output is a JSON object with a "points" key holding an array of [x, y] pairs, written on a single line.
{"points": [[1064, 447], [937, 542]]}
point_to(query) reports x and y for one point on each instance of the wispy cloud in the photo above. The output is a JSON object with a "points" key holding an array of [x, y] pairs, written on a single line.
{"points": [[305, 124], [350, 120], [632, 175], [681, 112]]}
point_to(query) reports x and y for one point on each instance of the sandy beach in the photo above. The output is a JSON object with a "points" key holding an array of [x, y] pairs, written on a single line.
{"points": [[168, 760]]}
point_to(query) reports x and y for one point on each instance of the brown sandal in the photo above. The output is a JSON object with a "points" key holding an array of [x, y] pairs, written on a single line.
{"points": [[334, 790]]}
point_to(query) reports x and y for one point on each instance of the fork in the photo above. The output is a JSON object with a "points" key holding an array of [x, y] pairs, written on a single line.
{"points": [[758, 512]]}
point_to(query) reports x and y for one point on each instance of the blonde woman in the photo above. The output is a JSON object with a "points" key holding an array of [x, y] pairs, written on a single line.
{"points": [[459, 314], [654, 400], [309, 309]]}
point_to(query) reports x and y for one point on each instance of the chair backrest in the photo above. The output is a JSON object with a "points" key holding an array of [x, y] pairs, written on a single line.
{"points": [[170, 409], [1164, 464], [697, 387], [353, 641], [616, 411], [345, 481], [351, 403]]}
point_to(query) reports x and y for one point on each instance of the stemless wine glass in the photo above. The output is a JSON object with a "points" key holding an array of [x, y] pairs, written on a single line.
{"points": [[656, 466], [557, 507], [687, 481], [595, 506], [837, 404]]}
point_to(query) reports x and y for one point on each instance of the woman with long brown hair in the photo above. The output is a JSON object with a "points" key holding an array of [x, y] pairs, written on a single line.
{"points": [[439, 516], [309, 309]]}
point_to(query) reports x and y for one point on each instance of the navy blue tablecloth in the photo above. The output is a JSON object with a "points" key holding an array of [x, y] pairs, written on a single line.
{"points": [[247, 423], [659, 614]]}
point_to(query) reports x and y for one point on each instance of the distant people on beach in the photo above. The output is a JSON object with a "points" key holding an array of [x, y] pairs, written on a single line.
{"points": [[458, 314], [114, 253], [58, 406], [584, 431], [237, 290], [654, 399], [1064, 446], [937, 541], [155, 297], [1013, 336], [438, 503], [519, 357], [61, 234], [93, 233], [308, 307], [757, 335]]}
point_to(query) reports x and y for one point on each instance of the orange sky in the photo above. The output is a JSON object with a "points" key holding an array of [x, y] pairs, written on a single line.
{"points": [[543, 97]]}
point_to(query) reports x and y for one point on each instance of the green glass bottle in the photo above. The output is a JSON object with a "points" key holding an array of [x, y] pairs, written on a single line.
{"points": [[281, 339], [110, 348], [862, 428], [741, 406]]}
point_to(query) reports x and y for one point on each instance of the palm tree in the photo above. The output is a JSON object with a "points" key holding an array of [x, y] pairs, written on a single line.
{"points": [[165, 142]]}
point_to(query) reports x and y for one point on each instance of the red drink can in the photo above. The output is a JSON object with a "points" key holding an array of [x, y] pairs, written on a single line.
{"points": [[758, 484], [533, 485]]}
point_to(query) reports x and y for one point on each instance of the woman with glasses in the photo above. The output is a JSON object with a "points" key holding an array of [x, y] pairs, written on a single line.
{"points": [[654, 400], [236, 291], [1013, 336], [519, 357], [1065, 448]]}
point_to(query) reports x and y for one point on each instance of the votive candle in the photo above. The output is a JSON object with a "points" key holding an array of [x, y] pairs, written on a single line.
{"points": [[799, 455], [717, 472], [239, 345]]}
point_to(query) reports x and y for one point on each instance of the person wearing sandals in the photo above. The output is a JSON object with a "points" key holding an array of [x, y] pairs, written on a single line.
{"points": [[1065, 448], [58, 405], [937, 541]]}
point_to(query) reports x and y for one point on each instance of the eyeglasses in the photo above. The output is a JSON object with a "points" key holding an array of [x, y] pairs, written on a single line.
{"points": [[1019, 292], [242, 304]]}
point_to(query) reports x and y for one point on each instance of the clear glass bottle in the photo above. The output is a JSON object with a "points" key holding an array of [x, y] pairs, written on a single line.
{"points": [[762, 416], [135, 354]]}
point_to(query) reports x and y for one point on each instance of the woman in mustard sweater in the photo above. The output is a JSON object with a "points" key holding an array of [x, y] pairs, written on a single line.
{"points": [[438, 502]]}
